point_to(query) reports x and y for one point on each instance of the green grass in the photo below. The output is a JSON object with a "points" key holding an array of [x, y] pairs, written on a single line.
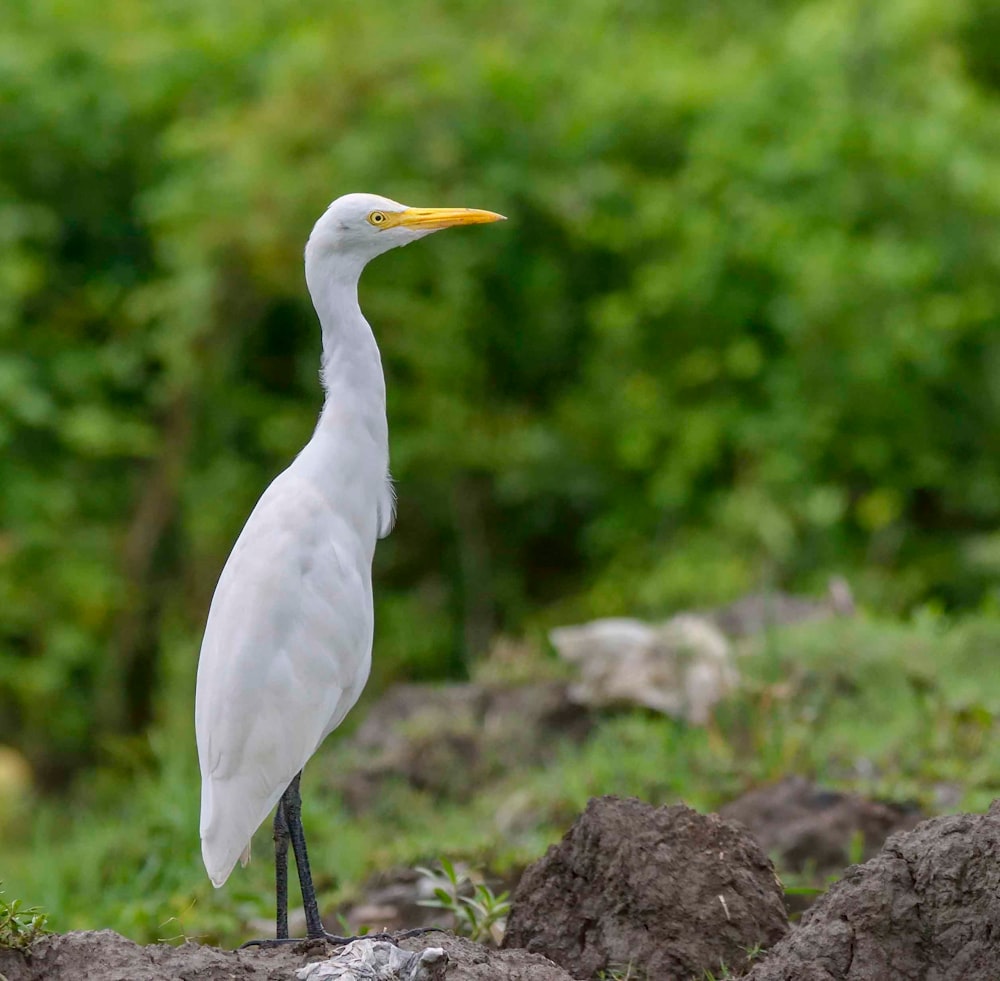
{"points": [[20, 925], [890, 709]]}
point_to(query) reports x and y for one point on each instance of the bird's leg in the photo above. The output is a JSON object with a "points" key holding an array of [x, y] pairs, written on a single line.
{"points": [[314, 924], [281, 870], [288, 828], [292, 803]]}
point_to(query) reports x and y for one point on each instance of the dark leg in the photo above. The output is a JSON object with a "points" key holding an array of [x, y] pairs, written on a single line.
{"points": [[288, 828], [281, 870], [292, 803]]}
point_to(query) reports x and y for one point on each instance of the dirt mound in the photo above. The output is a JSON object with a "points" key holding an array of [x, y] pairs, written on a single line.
{"points": [[926, 907], [666, 891], [806, 826], [450, 739], [104, 955]]}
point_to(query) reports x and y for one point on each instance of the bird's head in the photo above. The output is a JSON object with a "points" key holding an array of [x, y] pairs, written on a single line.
{"points": [[358, 227]]}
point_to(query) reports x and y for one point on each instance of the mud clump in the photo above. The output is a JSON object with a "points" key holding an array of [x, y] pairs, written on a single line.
{"points": [[666, 893], [806, 826], [927, 906]]}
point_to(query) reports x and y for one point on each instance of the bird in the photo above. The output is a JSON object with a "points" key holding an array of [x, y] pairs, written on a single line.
{"points": [[287, 645]]}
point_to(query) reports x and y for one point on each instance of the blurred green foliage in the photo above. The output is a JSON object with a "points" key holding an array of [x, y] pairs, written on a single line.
{"points": [[741, 327]]}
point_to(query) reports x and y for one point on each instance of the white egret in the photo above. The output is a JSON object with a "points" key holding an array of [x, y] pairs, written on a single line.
{"points": [[288, 642]]}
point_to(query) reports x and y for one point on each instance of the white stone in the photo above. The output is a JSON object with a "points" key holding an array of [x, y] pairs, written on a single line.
{"points": [[682, 667], [377, 960]]}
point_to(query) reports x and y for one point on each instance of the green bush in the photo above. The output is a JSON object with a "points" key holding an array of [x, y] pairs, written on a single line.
{"points": [[740, 328]]}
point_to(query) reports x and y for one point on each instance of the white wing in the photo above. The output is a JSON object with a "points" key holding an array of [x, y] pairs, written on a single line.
{"points": [[286, 653]]}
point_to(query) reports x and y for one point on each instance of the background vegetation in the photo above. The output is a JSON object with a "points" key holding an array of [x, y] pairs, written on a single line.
{"points": [[740, 331]]}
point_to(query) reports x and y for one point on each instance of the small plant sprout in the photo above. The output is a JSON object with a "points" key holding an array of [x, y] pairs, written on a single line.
{"points": [[20, 926], [479, 913]]}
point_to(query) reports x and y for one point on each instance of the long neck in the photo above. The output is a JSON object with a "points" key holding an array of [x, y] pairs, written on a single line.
{"points": [[352, 376], [348, 455]]}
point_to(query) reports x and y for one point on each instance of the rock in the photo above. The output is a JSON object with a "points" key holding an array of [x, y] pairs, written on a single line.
{"points": [[805, 826], [665, 892], [450, 739], [104, 955], [682, 667], [927, 906], [377, 960]]}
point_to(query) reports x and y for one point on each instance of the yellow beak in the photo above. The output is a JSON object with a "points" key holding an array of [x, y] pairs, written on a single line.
{"points": [[434, 218]]}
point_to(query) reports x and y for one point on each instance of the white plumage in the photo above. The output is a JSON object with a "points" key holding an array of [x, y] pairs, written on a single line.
{"points": [[287, 647]]}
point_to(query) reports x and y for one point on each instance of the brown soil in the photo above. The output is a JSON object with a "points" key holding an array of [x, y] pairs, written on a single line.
{"points": [[104, 955], [666, 890], [806, 827], [926, 907], [450, 739]]}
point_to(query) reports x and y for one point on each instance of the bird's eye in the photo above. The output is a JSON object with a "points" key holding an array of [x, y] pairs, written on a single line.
{"points": [[377, 218]]}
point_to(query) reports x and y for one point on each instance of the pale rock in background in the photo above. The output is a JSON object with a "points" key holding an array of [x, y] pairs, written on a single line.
{"points": [[682, 667]]}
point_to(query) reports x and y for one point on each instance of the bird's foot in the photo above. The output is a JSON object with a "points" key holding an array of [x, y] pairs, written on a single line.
{"points": [[332, 938], [272, 942]]}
